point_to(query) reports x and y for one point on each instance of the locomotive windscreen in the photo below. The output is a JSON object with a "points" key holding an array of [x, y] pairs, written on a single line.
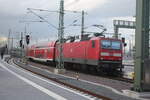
{"points": [[111, 44]]}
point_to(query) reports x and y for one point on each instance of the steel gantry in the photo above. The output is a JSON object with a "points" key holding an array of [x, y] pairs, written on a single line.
{"points": [[142, 60], [122, 24]]}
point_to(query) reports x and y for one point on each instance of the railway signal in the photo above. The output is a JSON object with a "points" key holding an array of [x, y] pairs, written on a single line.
{"points": [[123, 41], [20, 43], [27, 39]]}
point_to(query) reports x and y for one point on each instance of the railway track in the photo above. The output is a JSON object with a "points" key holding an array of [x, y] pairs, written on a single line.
{"points": [[123, 79], [62, 83], [128, 65]]}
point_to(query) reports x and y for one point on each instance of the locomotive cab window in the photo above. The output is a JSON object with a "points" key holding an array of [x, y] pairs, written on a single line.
{"points": [[93, 44], [116, 45], [108, 44]]}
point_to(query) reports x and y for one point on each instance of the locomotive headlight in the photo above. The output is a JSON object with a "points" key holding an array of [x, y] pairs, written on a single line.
{"points": [[117, 54], [104, 54]]}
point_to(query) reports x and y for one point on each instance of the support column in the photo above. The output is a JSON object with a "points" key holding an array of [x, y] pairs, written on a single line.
{"points": [[82, 25], [116, 29], [141, 42], [60, 65]]}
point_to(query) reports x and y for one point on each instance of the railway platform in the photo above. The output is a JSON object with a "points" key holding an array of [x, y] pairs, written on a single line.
{"points": [[18, 84], [98, 89]]}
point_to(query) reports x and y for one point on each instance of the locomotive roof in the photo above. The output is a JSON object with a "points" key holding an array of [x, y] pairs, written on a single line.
{"points": [[52, 43], [45, 44], [97, 38]]}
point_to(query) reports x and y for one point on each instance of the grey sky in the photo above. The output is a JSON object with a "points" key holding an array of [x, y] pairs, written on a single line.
{"points": [[99, 12]]}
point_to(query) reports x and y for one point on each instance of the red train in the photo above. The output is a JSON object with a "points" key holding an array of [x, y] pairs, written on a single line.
{"points": [[97, 53]]}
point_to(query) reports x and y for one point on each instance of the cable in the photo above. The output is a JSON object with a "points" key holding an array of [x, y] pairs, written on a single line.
{"points": [[42, 19]]}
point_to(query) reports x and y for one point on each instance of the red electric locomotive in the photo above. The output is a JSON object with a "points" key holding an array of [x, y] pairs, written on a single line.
{"points": [[97, 53]]}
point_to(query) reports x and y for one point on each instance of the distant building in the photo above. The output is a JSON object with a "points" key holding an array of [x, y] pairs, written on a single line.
{"points": [[3, 41]]}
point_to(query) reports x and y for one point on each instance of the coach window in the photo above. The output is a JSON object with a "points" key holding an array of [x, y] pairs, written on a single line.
{"points": [[48, 50], [93, 44]]}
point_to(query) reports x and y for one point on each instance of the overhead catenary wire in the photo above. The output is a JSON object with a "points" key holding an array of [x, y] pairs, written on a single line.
{"points": [[43, 10], [42, 18]]}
